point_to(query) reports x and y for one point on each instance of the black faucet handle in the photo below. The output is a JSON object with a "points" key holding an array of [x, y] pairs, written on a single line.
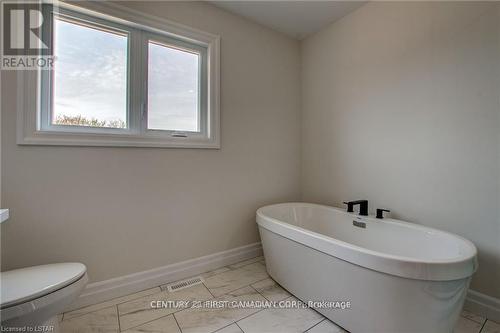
{"points": [[350, 206], [380, 213]]}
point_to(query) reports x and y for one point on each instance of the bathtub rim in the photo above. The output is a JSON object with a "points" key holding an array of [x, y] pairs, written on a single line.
{"points": [[455, 268]]}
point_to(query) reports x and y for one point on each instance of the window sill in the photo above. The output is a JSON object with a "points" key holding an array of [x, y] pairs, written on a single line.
{"points": [[103, 140]]}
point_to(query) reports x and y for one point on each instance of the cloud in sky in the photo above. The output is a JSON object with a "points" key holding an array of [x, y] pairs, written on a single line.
{"points": [[173, 89], [91, 75]]}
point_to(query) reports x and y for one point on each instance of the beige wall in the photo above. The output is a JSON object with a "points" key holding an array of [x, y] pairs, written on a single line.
{"points": [[401, 107], [123, 210]]}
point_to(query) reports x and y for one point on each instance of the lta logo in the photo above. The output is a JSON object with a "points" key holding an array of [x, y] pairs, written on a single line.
{"points": [[26, 35]]}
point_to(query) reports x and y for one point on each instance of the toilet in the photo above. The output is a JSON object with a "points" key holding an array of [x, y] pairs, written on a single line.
{"points": [[33, 296]]}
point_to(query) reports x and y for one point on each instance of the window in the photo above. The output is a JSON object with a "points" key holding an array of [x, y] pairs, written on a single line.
{"points": [[120, 82]]}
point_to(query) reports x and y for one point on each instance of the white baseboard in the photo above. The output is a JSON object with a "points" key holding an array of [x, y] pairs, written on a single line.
{"points": [[104, 290], [483, 305]]}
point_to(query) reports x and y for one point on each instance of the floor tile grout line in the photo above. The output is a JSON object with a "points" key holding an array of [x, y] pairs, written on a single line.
{"points": [[483, 321], [267, 299], [247, 285], [239, 327], [149, 321], [265, 308], [208, 290], [484, 324], [233, 268], [233, 290], [118, 318], [178, 325], [130, 300], [315, 325], [171, 313], [323, 318], [87, 313], [236, 322], [258, 292], [268, 277], [265, 296], [223, 327]]}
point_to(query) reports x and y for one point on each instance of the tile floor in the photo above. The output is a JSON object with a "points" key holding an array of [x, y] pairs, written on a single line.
{"points": [[245, 281]]}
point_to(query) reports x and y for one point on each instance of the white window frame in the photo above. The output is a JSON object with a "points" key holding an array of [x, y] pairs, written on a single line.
{"points": [[34, 126]]}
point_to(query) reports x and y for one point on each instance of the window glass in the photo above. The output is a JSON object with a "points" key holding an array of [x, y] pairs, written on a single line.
{"points": [[173, 88], [90, 76]]}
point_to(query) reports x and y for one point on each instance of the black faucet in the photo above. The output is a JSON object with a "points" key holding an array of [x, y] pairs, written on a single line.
{"points": [[363, 206], [380, 213]]}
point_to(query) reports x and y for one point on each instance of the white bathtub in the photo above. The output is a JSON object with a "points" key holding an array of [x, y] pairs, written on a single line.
{"points": [[397, 276]]}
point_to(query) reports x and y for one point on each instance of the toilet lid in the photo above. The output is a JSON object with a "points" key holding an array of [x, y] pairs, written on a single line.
{"points": [[26, 284]]}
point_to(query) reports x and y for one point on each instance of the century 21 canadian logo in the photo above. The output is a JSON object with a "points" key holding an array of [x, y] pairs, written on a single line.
{"points": [[26, 35]]}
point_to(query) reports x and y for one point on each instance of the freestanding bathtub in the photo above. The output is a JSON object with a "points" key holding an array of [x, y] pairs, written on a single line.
{"points": [[392, 276]]}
